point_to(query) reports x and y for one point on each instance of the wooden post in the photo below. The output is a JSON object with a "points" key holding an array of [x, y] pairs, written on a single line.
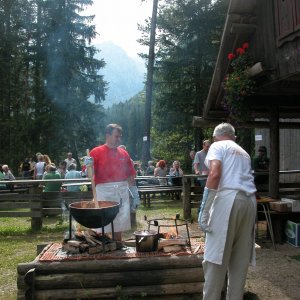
{"points": [[37, 222], [186, 189], [274, 154]]}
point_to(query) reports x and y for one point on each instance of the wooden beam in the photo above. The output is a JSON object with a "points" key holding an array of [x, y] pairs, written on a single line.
{"points": [[207, 123], [240, 28], [274, 154]]}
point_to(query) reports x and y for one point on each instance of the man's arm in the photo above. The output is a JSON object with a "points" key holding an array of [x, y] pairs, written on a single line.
{"points": [[214, 175], [210, 191], [196, 163]]}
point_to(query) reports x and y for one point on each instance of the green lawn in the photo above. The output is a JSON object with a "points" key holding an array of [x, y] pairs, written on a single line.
{"points": [[18, 244]]}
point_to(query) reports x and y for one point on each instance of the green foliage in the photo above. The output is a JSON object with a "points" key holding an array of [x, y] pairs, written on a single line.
{"points": [[48, 75], [130, 115], [238, 85], [187, 43]]}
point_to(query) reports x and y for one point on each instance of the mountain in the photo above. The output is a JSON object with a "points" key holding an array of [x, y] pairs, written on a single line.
{"points": [[125, 75]]}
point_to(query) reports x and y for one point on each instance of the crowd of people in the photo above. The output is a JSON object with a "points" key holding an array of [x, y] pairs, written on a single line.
{"points": [[42, 168], [228, 207]]}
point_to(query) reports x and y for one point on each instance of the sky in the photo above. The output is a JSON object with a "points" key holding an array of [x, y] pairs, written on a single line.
{"points": [[116, 21]]}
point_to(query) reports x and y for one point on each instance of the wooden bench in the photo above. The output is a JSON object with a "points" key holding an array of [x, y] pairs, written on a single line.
{"points": [[37, 206], [19, 190], [145, 192]]}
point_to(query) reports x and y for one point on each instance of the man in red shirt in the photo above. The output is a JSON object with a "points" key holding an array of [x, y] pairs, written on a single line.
{"points": [[113, 173]]}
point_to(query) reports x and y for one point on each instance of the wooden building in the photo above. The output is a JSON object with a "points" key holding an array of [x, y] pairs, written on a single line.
{"points": [[272, 29]]}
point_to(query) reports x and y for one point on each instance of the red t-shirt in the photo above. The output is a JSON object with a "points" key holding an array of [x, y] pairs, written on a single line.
{"points": [[111, 165]]}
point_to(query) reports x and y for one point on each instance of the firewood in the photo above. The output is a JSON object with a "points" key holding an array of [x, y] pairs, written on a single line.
{"points": [[170, 242], [71, 249], [172, 248], [74, 243], [95, 249]]}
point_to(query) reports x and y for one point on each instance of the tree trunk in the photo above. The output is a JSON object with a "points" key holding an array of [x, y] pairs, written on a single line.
{"points": [[149, 85]]}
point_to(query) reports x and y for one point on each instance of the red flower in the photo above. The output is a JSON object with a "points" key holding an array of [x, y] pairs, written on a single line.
{"points": [[245, 46], [230, 56], [240, 51]]}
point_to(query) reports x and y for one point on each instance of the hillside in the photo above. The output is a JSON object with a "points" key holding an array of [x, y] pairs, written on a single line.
{"points": [[125, 75]]}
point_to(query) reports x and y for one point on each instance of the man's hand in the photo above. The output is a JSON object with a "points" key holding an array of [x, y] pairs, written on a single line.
{"points": [[207, 200], [135, 201]]}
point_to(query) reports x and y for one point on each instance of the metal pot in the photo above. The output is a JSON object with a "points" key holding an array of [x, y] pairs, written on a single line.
{"points": [[146, 240], [86, 214]]}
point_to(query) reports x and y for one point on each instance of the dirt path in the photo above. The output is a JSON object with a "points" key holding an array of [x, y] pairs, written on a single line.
{"points": [[277, 272], [276, 275]]}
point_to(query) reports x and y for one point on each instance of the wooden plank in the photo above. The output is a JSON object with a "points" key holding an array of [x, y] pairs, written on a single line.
{"points": [[18, 197], [19, 205], [24, 214]]}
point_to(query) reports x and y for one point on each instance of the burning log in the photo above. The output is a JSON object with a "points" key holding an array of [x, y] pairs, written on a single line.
{"points": [[90, 242]]}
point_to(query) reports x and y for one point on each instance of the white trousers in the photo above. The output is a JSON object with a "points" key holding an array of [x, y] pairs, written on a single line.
{"points": [[116, 191], [237, 253]]}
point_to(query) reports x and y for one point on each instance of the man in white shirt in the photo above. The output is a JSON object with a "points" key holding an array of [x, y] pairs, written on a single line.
{"points": [[227, 214], [70, 160]]}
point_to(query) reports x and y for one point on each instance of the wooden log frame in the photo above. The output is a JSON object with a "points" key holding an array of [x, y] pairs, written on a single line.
{"points": [[172, 277]]}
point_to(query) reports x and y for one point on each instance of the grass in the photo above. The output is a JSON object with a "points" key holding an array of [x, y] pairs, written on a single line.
{"points": [[18, 244]]}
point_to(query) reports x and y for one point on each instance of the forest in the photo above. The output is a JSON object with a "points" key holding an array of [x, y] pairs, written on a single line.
{"points": [[51, 93]]}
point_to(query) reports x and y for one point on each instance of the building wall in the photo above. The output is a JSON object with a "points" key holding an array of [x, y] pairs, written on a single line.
{"points": [[289, 154]]}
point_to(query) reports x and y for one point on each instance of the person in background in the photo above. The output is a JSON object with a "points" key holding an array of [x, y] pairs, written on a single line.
{"points": [[52, 174], [8, 175], [62, 170], [2, 186], [176, 172], [39, 168], [199, 165], [150, 169], [227, 215], [25, 168], [114, 174], [32, 166], [138, 169], [70, 160], [161, 171], [192, 156], [47, 159], [261, 163], [72, 174]]}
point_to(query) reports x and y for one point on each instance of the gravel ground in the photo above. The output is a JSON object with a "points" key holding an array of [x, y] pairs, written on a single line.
{"points": [[276, 274]]}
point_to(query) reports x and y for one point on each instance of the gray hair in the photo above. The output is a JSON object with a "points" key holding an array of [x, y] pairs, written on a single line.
{"points": [[224, 129]]}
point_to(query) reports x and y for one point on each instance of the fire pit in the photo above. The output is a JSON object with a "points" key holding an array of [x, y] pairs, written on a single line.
{"points": [[86, 214]]}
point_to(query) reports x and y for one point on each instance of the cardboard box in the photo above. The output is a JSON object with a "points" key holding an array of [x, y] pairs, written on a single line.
{"points": [[281, 206], [295, 204], [292, 231]]}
